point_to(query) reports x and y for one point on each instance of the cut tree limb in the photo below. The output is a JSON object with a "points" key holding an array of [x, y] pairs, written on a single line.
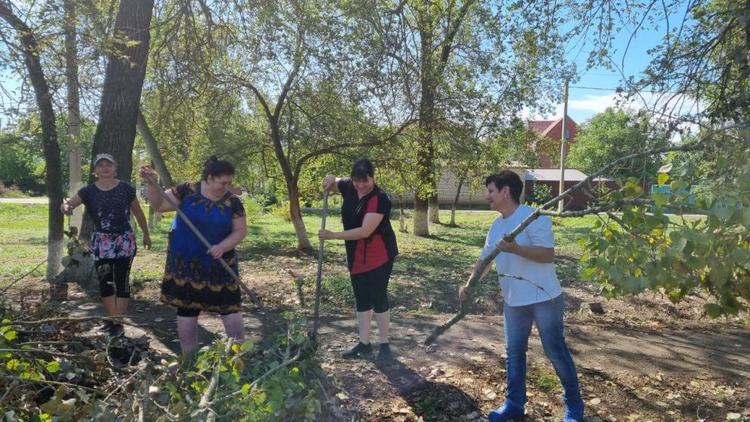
{"points": [[482, 264]]}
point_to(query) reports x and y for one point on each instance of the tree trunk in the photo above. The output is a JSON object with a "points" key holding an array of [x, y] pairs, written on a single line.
{"points": [[53, 173], [401, 217], [425, 149], [434, 208], [455, 201], [153, 151], [123, 82], [75, 173], [295, 212]]}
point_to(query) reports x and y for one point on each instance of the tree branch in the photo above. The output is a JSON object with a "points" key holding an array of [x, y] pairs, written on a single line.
{"points": [[510, 237]]}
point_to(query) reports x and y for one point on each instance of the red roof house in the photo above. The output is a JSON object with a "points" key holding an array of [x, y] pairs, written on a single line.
{"points": [[552, 130]]}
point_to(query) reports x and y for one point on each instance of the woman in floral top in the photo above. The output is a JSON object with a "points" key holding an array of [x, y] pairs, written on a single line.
{"points": [[109, 202], [194, 279]]}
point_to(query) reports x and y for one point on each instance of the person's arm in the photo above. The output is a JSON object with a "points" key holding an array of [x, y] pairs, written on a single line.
{"points": [[474, 271], [540, 254], [70, 204], [369, 224], [239, 230], [135, 207], [542, 242], [331, 184], [153, 193]]}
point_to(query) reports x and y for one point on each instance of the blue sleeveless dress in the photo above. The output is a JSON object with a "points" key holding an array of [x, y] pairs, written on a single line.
{"points": [[192, 278]]}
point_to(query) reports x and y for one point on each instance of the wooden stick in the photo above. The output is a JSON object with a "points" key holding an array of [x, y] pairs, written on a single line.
{"points": [[316, 315], [482, 264], [206, 243]]}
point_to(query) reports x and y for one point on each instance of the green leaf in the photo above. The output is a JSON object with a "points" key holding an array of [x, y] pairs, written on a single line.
{"points": [[718, 275], [660, 199], [678, 245], [741, 256], [10, 335], [53, 366], [722, 212], [662, 178], [713, 310]]}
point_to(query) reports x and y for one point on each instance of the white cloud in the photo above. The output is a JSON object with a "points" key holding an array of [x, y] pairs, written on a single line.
{"points": [[663, 106], [592, 103]]}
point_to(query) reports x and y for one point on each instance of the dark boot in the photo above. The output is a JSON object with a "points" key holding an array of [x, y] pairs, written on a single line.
{"points": [[361, 350]]}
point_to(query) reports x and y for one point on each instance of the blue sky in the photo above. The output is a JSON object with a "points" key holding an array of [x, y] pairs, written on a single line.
{"points": [[595, 89]]}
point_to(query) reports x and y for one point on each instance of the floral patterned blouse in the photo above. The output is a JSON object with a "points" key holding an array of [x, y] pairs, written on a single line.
{"points": [[113, 236]]}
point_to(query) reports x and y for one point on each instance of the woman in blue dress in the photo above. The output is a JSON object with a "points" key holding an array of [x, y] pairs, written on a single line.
{"points": [[194, 280]]}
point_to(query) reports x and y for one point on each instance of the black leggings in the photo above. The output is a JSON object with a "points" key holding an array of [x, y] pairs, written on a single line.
{"points": [[187, 312], [371, 288], [113, 275]]}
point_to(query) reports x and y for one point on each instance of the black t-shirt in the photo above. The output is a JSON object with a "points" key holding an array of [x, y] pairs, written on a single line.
{"points": [[110, 209], [381, 245]]}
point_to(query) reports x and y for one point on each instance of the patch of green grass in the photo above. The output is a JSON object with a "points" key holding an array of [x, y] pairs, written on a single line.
{"points": [[427, 270], [13, 193], [543, 380]]}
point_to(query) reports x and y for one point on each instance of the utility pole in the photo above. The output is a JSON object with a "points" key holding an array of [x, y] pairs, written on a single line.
{"points": [[561, 204]]}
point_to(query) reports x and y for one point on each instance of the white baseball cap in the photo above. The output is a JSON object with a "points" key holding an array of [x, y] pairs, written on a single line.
{"points": [[100, 157]]}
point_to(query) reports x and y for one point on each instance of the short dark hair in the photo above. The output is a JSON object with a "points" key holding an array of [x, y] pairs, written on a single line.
{"points": [[217, 168], [507, 178], [363, 168]]}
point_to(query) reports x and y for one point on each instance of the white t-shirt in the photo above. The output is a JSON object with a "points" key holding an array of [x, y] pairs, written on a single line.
{"points": [[539, 233]]}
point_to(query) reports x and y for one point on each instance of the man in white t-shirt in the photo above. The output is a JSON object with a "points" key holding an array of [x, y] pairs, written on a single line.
{"points": [[535, 297]]}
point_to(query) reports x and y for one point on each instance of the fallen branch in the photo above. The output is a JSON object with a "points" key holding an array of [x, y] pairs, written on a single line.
{"points": [[48, 352], [67, 384], [12, 283], [205, 402], [482, 264]]}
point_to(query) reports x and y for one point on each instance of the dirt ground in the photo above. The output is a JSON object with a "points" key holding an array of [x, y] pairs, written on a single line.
{"points": [[642, 359]]}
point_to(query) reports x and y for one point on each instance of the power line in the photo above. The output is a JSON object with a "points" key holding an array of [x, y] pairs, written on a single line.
{"points": [[595, 88]]}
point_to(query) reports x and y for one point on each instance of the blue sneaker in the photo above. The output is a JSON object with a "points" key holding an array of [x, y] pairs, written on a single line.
{"points": [[573, 413], [505, 413]]}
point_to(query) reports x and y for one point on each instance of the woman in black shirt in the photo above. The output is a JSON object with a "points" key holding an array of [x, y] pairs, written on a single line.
{"points": [[370, 250], [109, 202]]}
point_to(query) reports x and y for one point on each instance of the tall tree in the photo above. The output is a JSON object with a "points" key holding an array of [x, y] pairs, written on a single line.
{"points": [[305, 82], [123, 81], [454, 54], [75, 177], [612, 134], [53, 174]]}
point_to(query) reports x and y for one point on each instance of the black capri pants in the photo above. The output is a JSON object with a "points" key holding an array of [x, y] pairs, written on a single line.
{"points": [[371, 288], [114, 276]]}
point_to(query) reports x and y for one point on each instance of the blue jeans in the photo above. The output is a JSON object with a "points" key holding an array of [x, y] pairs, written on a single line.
{"points": [[548, 317]]}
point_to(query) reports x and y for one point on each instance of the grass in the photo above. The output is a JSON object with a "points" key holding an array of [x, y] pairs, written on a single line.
{"points": [[13, 193], [426, 276]]}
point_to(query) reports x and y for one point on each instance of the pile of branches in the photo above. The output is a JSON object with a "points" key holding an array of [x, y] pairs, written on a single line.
{"points": [[61, 368]]}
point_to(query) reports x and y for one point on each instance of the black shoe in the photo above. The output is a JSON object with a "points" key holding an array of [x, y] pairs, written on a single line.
{"points": [[385, 352], [116, 330], [106, 326], [361, 350]]}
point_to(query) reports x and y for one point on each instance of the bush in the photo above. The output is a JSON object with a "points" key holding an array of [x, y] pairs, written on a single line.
{"points": [[542, 193], [253, 207], [281, 210]]}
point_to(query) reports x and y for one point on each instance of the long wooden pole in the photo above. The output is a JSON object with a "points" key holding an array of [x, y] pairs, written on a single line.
{"points": [[561, 204], [206, 243], [316, 316]]}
